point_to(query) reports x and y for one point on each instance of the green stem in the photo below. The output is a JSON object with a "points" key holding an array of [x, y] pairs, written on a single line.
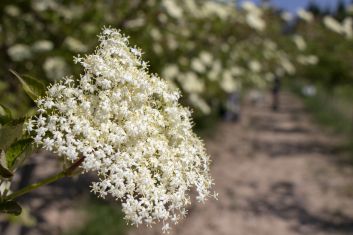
{"points": [[65, 173], [34, 186]]}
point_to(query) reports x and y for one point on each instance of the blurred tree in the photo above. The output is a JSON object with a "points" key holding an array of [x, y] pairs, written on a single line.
{"points": [[314, 8], [340, 12]]}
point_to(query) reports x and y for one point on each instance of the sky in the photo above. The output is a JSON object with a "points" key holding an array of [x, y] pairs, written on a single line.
{"points": [[293, 5]]}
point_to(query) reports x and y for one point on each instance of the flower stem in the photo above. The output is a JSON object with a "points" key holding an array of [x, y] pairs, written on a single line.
{"points": [[65, 173]]}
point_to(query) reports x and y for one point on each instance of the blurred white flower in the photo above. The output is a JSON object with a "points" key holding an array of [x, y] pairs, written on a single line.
{"points": [[215, 8], [5, 187], [4, 183], [12, 10], [156, 34], [135, 23], [333, 25], [309, 90], [19, 52], [308, 59], [70, 12], [206, 58], [89, 28], [173, 8], [55, 68], [237, 71], [74, 44], [215, 72], [170, 72], [251, 8], [254, 16], [191, 6], [197, 65], [183, 61], [256, 22], [287, 66], [287, 16], [279, 72], [191, 83], [199, 103], [42, 46], [348, 27], [43, 5], [305, 15], [269, 77], [163, 18], [157, 48], [228, 83], [270, 45], [172, 42], [255, 66], [299, 42]]}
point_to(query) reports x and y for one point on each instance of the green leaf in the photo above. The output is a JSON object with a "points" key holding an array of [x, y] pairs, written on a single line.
{"points": [[15, 151], [9, 133], [10, 207], [5, 115], [32, 86], [5, 173]]}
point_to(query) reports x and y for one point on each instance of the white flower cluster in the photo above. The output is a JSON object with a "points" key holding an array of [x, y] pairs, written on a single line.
{"points": [[287, 16], [130, 129], [332, 24], [308, 59], [19, 52], [55, 68], [173, 8], [299, 42], [254, 16], [305, 15], [344, 28]]}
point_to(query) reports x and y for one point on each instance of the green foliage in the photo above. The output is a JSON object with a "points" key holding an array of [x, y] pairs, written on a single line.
{"points": [[24, 219], [17, 151], [5, 173], [10, 133], [333, 51], [331, 109], [103, 216], [5, 115], [314, 8], [13, 150], [330, 71], [340, 11], [327, 114], [10, 207], [32, 86]]}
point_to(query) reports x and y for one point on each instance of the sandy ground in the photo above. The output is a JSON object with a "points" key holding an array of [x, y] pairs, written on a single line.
{"points": [[275, 172]]}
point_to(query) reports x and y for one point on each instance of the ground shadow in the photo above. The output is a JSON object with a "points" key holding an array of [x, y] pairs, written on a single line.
{"points": [[282, 202], [290, 148]]}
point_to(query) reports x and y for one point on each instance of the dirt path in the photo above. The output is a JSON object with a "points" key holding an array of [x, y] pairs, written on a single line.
{"points": [[276, 174]]}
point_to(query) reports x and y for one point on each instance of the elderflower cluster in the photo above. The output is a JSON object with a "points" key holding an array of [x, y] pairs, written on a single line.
{"points": [[332, 24], [130, 129], [254, 16], [305, 15], [299, 42], [344, 28]]}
